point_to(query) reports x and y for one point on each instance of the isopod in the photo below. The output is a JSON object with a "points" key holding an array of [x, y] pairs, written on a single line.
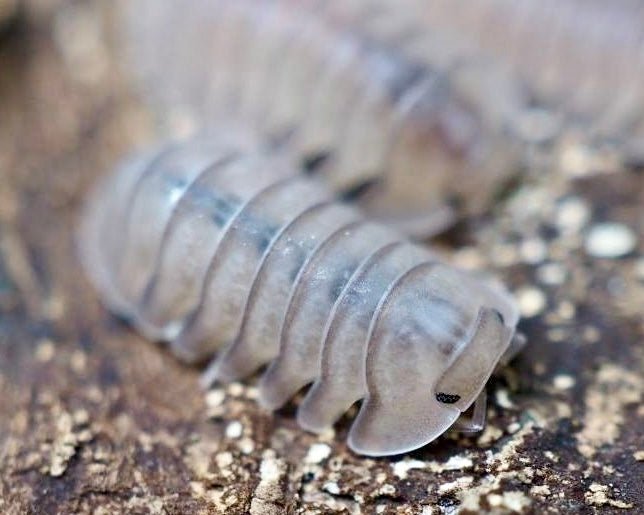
{"points": [[232, 254], [352, 85]]}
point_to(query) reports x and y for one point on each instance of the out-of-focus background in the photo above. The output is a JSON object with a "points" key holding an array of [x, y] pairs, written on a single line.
{"points": [[93, 419]]}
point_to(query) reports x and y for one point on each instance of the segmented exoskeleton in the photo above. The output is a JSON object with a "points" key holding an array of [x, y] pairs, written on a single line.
{"points": [[358, 83], [226, 250]]}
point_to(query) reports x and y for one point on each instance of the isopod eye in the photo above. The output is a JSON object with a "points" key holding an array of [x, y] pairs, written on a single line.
{"points": [[448, 398], [464, 379]]}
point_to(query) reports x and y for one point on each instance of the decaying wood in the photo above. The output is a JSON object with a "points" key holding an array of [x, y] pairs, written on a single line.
{"points": [[95, 420]]}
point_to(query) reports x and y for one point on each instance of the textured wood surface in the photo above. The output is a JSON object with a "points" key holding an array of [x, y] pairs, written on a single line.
{"points": [[95, 420]]}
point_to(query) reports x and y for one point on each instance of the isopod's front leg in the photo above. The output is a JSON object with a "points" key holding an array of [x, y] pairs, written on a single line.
{"points": [[475, 422]]}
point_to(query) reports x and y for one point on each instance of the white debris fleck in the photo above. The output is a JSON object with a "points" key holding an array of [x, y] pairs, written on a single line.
{"points": [[552, 274], [558, 334], [402, 468], [80, 417], [271, 469], [268, 491], [252, 392], [503, 399], [576, 160], [551, 456], [45, 350], [234, 429], [317, 453], [610, 240], [461, 482], [542, 490], [513, 500], [563, 382], [598, 495], [489, 435], [566, 310], [246, 445], [532, 301], [513, 427], [533, 251], [224, 459], [331, 487], [387, 490], [458, 463], [591, 334], [236, 389], [215, 397], [572, 214]]}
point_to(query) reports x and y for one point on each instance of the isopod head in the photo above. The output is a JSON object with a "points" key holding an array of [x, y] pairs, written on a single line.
{"points": [[432, 348]]}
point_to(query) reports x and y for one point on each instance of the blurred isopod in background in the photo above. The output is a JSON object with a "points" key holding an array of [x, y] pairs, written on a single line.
{"points": [[420, 110]]}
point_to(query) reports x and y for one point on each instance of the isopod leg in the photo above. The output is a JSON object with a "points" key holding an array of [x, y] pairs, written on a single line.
{"points": [[475, 422], [209, 376]]}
